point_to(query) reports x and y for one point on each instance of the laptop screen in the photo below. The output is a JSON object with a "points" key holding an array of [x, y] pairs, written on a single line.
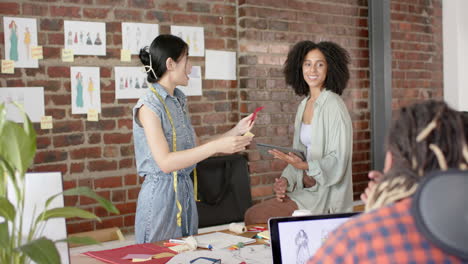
{"points": [[296, 239]]}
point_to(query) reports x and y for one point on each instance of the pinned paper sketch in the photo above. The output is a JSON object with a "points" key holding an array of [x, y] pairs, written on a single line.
{"points": [[85, 38], [194, 36], [31, 98], [220, 65], [130, 82], [86, 89], [138, 35], [20, 35], [194, 86]]}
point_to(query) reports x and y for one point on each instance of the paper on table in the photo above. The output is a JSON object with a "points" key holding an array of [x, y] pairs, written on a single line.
{"points": [[137, 256], [222, 240], [254, 254]]}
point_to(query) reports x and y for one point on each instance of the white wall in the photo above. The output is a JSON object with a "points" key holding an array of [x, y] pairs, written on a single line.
{"points": [[455, 34]]}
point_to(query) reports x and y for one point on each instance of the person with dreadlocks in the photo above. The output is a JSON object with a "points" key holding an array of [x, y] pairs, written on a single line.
{"points": [[322, 129], [425, 137]]}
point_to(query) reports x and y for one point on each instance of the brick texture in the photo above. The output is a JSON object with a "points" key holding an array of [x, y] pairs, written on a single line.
{"points": [[416, 51], [100, 154], [267, 30]]}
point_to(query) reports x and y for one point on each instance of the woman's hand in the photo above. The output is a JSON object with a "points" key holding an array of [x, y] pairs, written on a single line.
{"points": [[231, 144], [290, 158], [279, 187], [308, 181], [244, 126], [374, 176]]}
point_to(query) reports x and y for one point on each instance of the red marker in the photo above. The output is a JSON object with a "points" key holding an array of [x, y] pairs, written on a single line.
{"points": [[254, 116]]}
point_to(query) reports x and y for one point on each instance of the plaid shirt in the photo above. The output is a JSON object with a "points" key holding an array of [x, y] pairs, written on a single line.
{"points": [[385, 235]]}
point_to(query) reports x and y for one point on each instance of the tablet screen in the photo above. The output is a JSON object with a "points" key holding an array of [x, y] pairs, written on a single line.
{"points": [[295, 239]]}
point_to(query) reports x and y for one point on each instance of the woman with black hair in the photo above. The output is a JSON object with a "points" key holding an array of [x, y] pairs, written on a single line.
{"points": [[323, 130], [165, 145]]}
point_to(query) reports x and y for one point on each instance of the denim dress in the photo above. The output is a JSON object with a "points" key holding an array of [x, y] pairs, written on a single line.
{"points": [[156, 208]]}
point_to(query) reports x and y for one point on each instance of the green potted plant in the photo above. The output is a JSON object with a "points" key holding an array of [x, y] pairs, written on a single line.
{"points": [[17, 150]]}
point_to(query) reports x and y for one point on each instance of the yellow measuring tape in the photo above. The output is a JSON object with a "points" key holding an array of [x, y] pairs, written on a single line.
{"points": [[174, 149]]}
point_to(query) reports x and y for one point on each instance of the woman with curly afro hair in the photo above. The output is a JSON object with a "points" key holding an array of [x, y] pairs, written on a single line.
{"points": [[323, 130]]}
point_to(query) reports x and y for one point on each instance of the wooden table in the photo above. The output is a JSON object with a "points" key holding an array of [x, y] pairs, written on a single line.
{"points": [[83, 259]]}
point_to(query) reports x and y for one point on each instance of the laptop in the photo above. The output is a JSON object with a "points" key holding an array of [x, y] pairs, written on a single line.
{"points": [[294, 239]]}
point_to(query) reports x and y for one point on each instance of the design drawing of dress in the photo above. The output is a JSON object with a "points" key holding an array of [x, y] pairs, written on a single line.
{"points": [[79, 90], [13, 42]]}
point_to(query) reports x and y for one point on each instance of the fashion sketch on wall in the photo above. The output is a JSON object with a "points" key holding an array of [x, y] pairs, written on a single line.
{"points": [[138, 35], [20, 34], [194, 86], [130, 82], [85, 38], [85, 89], [194, 36], [31, 98]]}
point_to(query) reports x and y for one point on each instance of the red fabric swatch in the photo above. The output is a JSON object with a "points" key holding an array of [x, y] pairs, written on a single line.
{"points": [[255, 113]]}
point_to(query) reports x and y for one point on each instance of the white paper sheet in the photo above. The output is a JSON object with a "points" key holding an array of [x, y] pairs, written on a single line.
{"points": [[138, 35], [86, 89], [194, 86], [130, 82], [220, 65], [20, 34], [220, 240], [31, 98], [255, 254], [194, 36], [85, 38], [37, 194]]}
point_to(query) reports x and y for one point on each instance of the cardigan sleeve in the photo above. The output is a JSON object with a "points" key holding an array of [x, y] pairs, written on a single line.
{"points": [[331, 168]]}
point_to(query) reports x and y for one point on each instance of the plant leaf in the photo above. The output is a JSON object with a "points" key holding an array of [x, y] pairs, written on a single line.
{"points": [[4, 235], [80, 240], [2, 116], [86, 191], [41, 251], [17, 148], [27, 125], [66, 212], [7, 210]]}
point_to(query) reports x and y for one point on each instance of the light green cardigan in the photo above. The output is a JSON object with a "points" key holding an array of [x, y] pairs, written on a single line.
{"points": [[329, 158]]}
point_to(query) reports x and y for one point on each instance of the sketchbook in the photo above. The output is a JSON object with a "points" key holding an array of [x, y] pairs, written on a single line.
{"points": [[219, 240]]}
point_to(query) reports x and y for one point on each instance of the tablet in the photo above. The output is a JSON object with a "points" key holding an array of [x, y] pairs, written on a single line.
{"points": [[294, 239], [265, 147]]}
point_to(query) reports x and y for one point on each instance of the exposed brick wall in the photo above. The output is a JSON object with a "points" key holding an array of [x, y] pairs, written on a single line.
{"points": [[267, 29], [417, 51], [100, 154]]}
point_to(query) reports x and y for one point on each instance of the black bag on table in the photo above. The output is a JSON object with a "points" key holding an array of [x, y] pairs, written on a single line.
{"points": [[223, 190]]}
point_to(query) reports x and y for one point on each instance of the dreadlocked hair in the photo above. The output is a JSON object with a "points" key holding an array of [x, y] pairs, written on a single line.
{"points": [[424, 137]]}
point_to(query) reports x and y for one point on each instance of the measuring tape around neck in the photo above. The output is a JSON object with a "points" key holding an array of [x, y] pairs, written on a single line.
{"points": [[174, 149]]}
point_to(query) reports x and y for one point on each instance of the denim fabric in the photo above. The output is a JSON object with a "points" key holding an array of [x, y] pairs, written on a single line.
{"points": [[156, 209]]}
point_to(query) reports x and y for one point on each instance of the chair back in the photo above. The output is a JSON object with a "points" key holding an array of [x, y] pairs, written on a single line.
{"points": [[440, 209]]}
